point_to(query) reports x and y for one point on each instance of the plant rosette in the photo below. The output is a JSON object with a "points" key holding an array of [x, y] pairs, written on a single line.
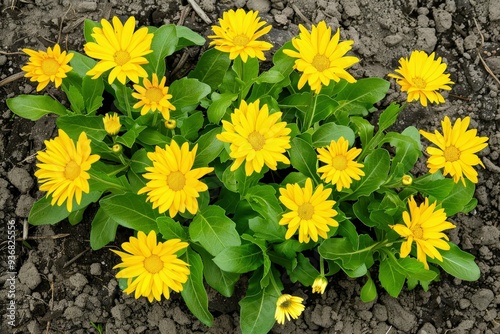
{"points": [[234, 171]]}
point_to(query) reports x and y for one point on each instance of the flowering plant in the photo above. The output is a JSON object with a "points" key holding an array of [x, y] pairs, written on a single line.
{"points": [[235, 171]]}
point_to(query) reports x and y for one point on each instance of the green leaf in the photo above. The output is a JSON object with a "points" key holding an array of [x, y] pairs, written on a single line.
{"points": [[131, 211], [265, 230], [407, 151], [359, 97], [352, 256], [75, 98], [458, 198], [33, 107], [76, 217], [244, 182], [304, 272], [368, 291], [389, 116], [364, 129], [390, 279], [211, 68], [171, 229], [129, 137], [330, 131], [262, 199], [433, 185], [213, 230], [219, 106], [102, 231], [187, 37], [101, 181], [376, 168], [209, 148], [92, 90], [458, 263], [140, 161], [153, 138], [163, 45], [43, 213], [74, 125], [304, 158], [218, 279], [88, 27], [194, 293], [81, 65], [188, 92], [191, 125], [256, 312], [239, 259]]}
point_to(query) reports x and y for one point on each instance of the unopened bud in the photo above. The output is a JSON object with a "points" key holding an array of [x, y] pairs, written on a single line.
{"points": [[170, 124], [117, 148], [407, 180], [319, 285]]}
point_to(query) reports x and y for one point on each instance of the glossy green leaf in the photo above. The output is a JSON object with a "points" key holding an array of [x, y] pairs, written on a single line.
{"points": [[75, 98], [265, 230], [257, 312], [407, 151], [171, 229], [211, 67], [194, 293], [43, 213], [434, 185], [102, 231], [364, 130], [101, 181], [330, 131], [458, 198], [74, 125], [239, 259], [352, 256], [129, 137], [81, 65], [33, 107], [163, 45], [368, 291], [304, 158], [213, 230], [191, 125], [209, 148], [218, 279], [153, 138], [390, 279], [389, 116], [458, 263], [263, 199], [140, 161], [359, 97], [88, 27], [219, 106], [188, 92], [131, 211], [92, 90], [304, 272], [187, 37]]}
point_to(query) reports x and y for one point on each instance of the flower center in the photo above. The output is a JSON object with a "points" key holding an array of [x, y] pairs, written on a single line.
{"points": [[451, 153], [419, 82], [339, 162], [306, 211], [50, 66], [121, 57], [154, 94], [72, 170], [418, 233], [153, 264], [257, 140], [176, 181], [286, 304], [241, 40], [321, 63]]}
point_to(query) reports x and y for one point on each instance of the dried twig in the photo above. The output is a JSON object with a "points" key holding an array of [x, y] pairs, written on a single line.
{"points": [[299, 13], [75, 258], [25, 229], [12, 78], [51, 305], [181, 63], [45, 237], [200, 12], [12, 53], [478, 51], [184, 14]]}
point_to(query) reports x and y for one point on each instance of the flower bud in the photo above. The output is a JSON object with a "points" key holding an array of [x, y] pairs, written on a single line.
{"points": [[319, 285], [407, 180], [117, 148], [112, 124], [170, 124]]}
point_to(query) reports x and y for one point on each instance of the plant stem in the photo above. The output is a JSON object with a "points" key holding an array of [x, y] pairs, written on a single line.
{"points": [[125, 99], [308, 118]]}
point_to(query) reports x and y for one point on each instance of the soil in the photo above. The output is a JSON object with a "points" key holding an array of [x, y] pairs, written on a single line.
{"points": [[64, 287]]}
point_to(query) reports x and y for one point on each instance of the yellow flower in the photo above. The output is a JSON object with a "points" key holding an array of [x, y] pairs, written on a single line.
{"points": [[288, 306], [153, 96], [425, 226], [455, 151], [319, 285], [119, 48], [256, 137], [174, 186], [111, 124], [422, 76], [44, 67], [340, 166], [311, 213], [320, 56], [407, 180], [152, 268], [63, 168], [238, 34]]}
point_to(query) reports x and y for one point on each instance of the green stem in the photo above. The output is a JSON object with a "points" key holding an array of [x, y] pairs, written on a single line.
{"points": [[321, 266], [275, 285], [125, 98], [308, 118]]}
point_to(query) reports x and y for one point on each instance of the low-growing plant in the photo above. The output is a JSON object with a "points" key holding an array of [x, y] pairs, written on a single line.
{"points": [[234, 171]]}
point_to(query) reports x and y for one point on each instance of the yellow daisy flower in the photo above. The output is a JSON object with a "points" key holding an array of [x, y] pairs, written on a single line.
{"points": [[112, 123], [256, 137], [153, 95], [455, 151], [152, 268], [311, 213], [319, 285], [63, 168], [174, 186], [320, 56], [425, 226], [238, 34], [288, 306], [422, 76], [45, 67], [119, 48], [340, 166]]}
